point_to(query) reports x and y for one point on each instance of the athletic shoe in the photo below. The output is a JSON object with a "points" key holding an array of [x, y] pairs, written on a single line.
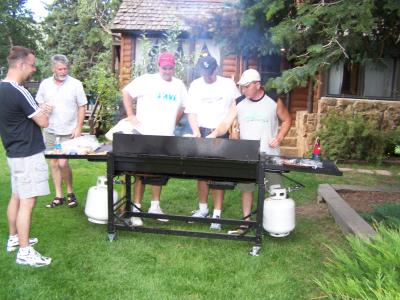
{"points": [[157, 210], [215, 226], [32, 258], [136, 221], [200, 214], [13, 244]]}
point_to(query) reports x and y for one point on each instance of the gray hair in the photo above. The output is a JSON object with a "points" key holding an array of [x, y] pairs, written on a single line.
{"points": [[59, 58]]}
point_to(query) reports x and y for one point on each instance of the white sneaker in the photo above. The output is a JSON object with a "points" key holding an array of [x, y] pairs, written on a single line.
{"points": [[13, 244], [32, 258], [215, 226], [157, 210], [136, 221], [200, 213]]}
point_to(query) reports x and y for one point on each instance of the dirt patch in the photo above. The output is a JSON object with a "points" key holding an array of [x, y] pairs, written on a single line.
{"points": [[313, 210], [363, 201], [360, 201]]}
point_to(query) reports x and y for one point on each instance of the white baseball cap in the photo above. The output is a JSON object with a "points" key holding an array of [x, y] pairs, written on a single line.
{"points": [[248, 77]]}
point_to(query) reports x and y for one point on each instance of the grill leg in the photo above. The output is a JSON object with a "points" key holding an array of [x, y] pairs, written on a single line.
{"points": [[260, 211], [110, 196], [254, 250]]}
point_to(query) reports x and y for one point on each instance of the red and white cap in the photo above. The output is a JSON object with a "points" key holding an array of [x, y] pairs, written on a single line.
{"points": [[166, 59]]}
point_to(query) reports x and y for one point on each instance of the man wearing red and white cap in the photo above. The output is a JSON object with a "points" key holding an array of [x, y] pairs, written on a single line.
{"points": [[160, 101]]}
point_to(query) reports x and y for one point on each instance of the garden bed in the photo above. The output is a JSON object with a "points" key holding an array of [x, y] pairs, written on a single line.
{"points": [[362, 197], [365, 201]]}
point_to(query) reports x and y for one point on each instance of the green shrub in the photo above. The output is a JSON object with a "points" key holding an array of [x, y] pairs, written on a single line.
{"points": [[397, 150], [388, 214], [348, 136], [368, 270], [393, 142], [103, 84]]}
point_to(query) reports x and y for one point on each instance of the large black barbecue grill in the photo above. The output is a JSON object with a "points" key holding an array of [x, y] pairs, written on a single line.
{"points": [[217, 160]]}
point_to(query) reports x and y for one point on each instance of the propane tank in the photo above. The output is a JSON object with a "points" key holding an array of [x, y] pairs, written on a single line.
{"points": [[279, 213], [96, 208]]}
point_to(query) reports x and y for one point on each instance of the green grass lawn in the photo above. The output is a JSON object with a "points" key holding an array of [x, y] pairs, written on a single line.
{"points": [[148, 266]]}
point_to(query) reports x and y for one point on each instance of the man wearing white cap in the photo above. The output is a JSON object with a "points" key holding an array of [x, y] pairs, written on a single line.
{"points": [[258, 116]]}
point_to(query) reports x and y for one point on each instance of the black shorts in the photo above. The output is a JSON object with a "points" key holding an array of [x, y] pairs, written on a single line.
{"points": [[206, 131]]}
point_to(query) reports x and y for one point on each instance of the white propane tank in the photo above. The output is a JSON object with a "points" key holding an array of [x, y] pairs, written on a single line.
{"points": [[96, 208], [279, 213]]}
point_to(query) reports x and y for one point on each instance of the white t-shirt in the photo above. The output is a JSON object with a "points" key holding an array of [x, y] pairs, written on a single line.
{"points": [[258, 121], [65, 99], [158, 103], [211, 102]]}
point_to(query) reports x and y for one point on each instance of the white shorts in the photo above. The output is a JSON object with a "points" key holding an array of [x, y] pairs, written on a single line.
{"points": [[29, 176], [50, 139]]}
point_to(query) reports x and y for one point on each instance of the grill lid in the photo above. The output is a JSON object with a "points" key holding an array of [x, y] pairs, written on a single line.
{"points": [[185, 147]]}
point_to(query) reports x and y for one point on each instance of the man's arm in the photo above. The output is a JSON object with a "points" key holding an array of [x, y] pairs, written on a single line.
{"points": [[179, 115], [286, 121], [192, 118], [127, 100], [41, 119], [224, 126], [234, 132], [81, 118]]}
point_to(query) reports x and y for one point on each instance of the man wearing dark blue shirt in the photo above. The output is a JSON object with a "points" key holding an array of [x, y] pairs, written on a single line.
{"points": [[21, 121]]}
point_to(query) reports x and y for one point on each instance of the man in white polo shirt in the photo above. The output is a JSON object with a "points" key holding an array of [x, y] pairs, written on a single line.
{"points": [[65, 95]]}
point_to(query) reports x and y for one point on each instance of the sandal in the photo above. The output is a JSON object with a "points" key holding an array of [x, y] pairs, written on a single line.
{"points": [[56, 202], [72, 202], [241, 230]]}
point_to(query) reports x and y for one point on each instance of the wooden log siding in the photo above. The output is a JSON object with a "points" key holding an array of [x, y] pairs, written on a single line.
{"points": [[298, 101], [230, 67], [127, 56]]}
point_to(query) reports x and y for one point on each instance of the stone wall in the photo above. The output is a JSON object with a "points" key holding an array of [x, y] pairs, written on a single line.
{"points": [[386, 113]]}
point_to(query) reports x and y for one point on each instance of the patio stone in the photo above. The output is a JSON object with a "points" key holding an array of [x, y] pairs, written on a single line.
{"points": [[365, 171], [383, 172], [346, 169]]}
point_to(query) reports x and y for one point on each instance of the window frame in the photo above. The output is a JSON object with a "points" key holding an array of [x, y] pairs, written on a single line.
{"points": [[395, 83]]}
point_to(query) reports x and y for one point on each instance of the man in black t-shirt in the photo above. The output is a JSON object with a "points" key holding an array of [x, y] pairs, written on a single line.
{"points": [[21, 121]]}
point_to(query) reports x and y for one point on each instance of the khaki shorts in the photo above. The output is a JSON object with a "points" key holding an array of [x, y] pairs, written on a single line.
{"points": [[29, 176], [50, 139], [272, 178]]}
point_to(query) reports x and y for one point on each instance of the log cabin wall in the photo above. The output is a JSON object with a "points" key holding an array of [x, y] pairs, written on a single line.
{"points": [[298, 101], [231, 67], [127, 55]]}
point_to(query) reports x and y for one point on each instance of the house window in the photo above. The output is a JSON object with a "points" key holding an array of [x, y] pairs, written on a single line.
{"points": [[379, 80]]}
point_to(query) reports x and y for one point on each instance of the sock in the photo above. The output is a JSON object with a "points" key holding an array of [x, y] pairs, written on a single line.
{"points": [[217, 213], [13, 237], [24, 250], [203, 207], [154, 203]]}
